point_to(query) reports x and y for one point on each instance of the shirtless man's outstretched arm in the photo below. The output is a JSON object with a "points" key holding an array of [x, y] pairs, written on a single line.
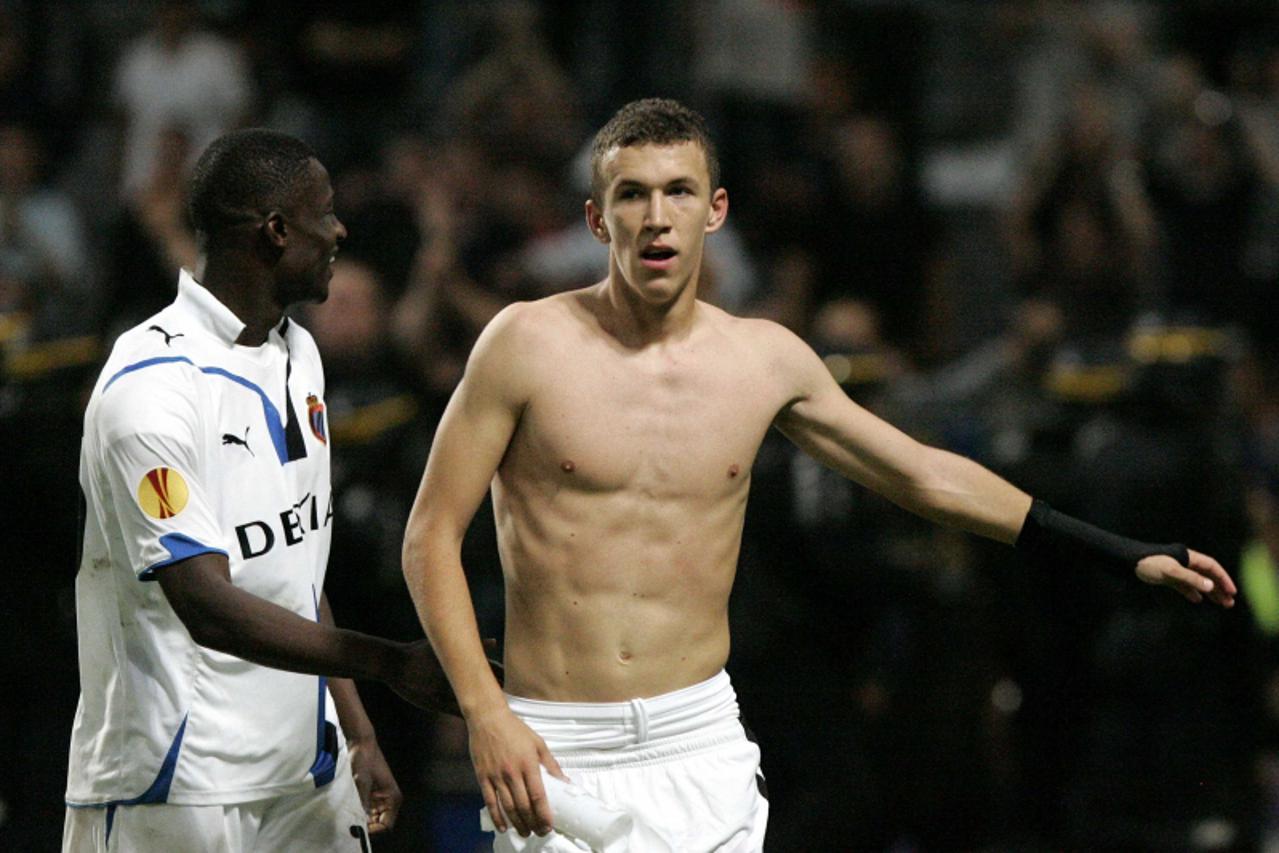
{"points": [[937, 484]]}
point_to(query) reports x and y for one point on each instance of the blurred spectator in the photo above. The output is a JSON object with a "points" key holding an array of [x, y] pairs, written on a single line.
{"points": [[151, 238], [515, 101], [618, 51], [876, 239], [754, 104], [1150, 452], [19, 85], [381, 431], [1205, 182], [379, 445], [41, 229], [476, 215], [37, 219], [483, 195], [380, 434], [443, 307], [177, 75], [339, 73], [1155, 470], [866, 236], [1256, 93], [1103, 45], [1080, 226], [46, 300]]}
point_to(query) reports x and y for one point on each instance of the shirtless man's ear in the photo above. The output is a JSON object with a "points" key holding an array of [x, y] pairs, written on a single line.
{"points": [[718, 211], [595, 222]]}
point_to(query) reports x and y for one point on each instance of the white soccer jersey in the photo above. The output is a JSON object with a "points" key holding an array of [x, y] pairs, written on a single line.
{"points": [[191, 445]]}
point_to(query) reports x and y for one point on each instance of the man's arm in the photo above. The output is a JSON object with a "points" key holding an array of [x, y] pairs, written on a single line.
{"points": [[221, 616], [379, 793], [942, 486], [469, 445]]}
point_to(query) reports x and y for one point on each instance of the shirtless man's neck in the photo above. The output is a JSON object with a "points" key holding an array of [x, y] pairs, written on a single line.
{"points": [[636, 324]]}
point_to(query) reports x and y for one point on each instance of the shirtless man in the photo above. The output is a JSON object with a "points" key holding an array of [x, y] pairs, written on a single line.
{"points": [[617, 426]]}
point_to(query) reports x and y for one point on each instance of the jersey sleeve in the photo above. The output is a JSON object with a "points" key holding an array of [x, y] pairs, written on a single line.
{"points": [[153, 471]]}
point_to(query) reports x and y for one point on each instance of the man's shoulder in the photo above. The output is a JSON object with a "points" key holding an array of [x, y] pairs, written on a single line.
{"points": [[756, 333], [766, 349], [168, 336], [148, 373], [558, 307], [525, 343], [151, 341], [525, 324]]}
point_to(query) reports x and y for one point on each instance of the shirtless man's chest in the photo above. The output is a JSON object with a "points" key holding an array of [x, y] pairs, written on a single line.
{"points": [[678, 422]]}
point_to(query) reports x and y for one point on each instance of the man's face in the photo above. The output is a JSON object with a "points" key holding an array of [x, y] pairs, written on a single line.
{"points": [[654, 214], [313, 232]]}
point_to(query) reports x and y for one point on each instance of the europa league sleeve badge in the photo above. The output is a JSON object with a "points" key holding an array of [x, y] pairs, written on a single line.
{"points": [[162, 493]]}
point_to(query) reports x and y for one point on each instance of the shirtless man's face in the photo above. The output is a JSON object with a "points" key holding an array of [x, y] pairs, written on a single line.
{"points": [[655, 214]]}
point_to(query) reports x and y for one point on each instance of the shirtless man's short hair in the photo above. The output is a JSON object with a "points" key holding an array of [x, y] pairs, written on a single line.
{"points": [[651, 121]]}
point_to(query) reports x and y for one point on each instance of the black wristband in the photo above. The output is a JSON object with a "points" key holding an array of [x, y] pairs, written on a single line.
{"points": [[1053, 536]]}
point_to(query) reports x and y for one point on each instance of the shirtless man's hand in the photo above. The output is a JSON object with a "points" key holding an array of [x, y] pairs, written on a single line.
{"points": [[508, 758]]}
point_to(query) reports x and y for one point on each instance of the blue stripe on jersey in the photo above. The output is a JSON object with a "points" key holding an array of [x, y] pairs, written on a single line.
{"points": [[159, 790], [180, 547], [274, 424], [325, 766]]}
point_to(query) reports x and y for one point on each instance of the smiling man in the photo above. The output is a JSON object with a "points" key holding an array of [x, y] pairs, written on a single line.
{"points": [[617, 426], [206, 721]]}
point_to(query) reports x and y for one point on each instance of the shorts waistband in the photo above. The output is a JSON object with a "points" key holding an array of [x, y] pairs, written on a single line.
{"points": [[568, 726]]}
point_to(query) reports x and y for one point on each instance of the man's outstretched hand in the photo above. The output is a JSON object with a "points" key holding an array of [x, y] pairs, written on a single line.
{"points": [[1203, 578], [421, 681]]}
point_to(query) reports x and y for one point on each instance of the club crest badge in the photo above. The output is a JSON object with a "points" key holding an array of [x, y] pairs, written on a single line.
{"points": [[162, 493], [315, 414]]}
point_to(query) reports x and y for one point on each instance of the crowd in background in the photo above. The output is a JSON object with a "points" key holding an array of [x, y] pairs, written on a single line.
{"points": [[1041, 233]]}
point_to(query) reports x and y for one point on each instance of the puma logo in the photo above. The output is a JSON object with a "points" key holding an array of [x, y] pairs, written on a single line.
{"points": [[167, 336], [227, 438]]}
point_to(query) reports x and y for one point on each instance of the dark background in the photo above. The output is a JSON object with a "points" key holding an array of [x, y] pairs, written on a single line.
{"points": [[1042, 234]]}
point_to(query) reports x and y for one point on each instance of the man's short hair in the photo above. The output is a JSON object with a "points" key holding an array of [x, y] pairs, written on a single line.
{"points": [[242, 175], [651, 121]]}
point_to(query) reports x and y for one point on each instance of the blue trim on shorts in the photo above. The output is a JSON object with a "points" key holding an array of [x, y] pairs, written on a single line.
{"points": [[180, 547], [274, 424]]}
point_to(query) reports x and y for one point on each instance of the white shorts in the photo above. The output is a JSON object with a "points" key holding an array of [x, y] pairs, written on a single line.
{"points": [[680, 763], [324, 820]]}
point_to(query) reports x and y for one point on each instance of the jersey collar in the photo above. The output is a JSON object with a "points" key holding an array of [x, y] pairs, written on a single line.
{"points": [[205, 309], [214, 317]]}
